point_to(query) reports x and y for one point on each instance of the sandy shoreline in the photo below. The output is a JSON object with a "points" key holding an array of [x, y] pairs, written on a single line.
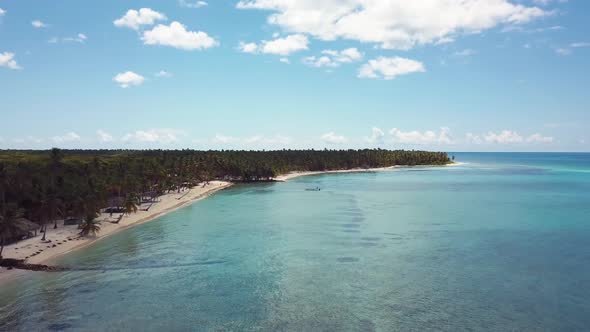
{"points": [[65, 239], [292, 175]]}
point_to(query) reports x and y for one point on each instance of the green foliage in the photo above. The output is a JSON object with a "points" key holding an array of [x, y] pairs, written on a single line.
{"points": [[49, 185], [89, 226]]}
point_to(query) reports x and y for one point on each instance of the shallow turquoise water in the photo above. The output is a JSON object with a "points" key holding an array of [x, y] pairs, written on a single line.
{"points": [[500, 243]]}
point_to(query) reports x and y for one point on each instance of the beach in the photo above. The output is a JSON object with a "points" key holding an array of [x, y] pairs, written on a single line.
{"points": [[65, 239], [292, 175]]}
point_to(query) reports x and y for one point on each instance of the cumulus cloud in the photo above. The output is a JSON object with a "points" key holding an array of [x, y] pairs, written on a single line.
{"points": [[67, 138], [538, 138], [38, 24], [176, 35], [248, 47], [506, 137], [285, 46], [2, 12], [332, 138], [279, 46], [104, 137], [285, 60], [256, 140], [333, 58], [417, 137], [7, 60], [570, 48], [163, 73], [347, 55], [136, 19], [79, 38], [377, 136], [393, 24], [163, 136], [473, 138], [465, 53], [192, 3], [503, 137], [580, 44], [389, 68], [563, 51], [322, 61], [128, 79], [547, 2]]}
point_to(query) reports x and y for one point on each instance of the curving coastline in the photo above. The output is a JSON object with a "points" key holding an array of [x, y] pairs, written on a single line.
{"points": [[65, 239]]}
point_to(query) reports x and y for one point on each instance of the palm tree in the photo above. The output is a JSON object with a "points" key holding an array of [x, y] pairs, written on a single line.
{"points": [[131, 203], [89, 226], [8, 227], [55, 171]]}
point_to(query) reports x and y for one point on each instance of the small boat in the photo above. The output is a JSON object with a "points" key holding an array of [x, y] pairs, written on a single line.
{"points": [[313, 189]]}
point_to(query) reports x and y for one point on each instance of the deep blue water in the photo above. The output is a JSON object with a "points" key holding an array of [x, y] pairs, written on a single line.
{"points": [[499, 243]]}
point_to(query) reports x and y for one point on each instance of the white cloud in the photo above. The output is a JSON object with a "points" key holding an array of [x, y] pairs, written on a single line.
{"points": [[285, 60], [135, 19], [322, 61], [563, 51], [79, 38], [2, 12], [248, 47], [104, 137], [176, 35], [192, 3], [128, 79], [69, 137], [38, 24], [578, 45], [346, 55], [547, 2], [332, 58], [164, 136], [465, 53], [417, 137], [506, 137], [7, 60], [393, 24], [538, 138], [224, 139], [473, 139], [377, 136], [332, 138], [285, 46], [568, 50], [389, 68], [163, 73], [256, 140], [503, 137], [279, 46]]}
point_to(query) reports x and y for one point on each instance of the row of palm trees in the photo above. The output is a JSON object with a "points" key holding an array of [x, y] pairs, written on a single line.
{"points": [[47, 186]]}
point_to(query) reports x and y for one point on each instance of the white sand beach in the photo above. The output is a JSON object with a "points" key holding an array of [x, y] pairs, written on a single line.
{"points": [[65, 239], [292, 175]]}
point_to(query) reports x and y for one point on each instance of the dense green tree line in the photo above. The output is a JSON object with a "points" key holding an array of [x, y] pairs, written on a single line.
{"points": [[45, 186]]}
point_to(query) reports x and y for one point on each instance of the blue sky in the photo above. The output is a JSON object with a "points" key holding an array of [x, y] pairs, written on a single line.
{"points": [[474, 75]]}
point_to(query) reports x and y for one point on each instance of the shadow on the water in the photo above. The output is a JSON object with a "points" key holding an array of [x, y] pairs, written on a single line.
{"points": [[47, 268], [144, 267]]}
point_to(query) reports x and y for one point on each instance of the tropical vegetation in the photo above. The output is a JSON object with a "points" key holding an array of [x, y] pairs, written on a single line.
{"points": [[47, 186]]}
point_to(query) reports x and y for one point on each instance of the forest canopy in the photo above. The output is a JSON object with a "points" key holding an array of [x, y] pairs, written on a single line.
{"points": [[44, 186]]}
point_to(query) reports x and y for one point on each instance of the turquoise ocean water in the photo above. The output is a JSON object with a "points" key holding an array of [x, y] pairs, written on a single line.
{"points": [[500, 243]]}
